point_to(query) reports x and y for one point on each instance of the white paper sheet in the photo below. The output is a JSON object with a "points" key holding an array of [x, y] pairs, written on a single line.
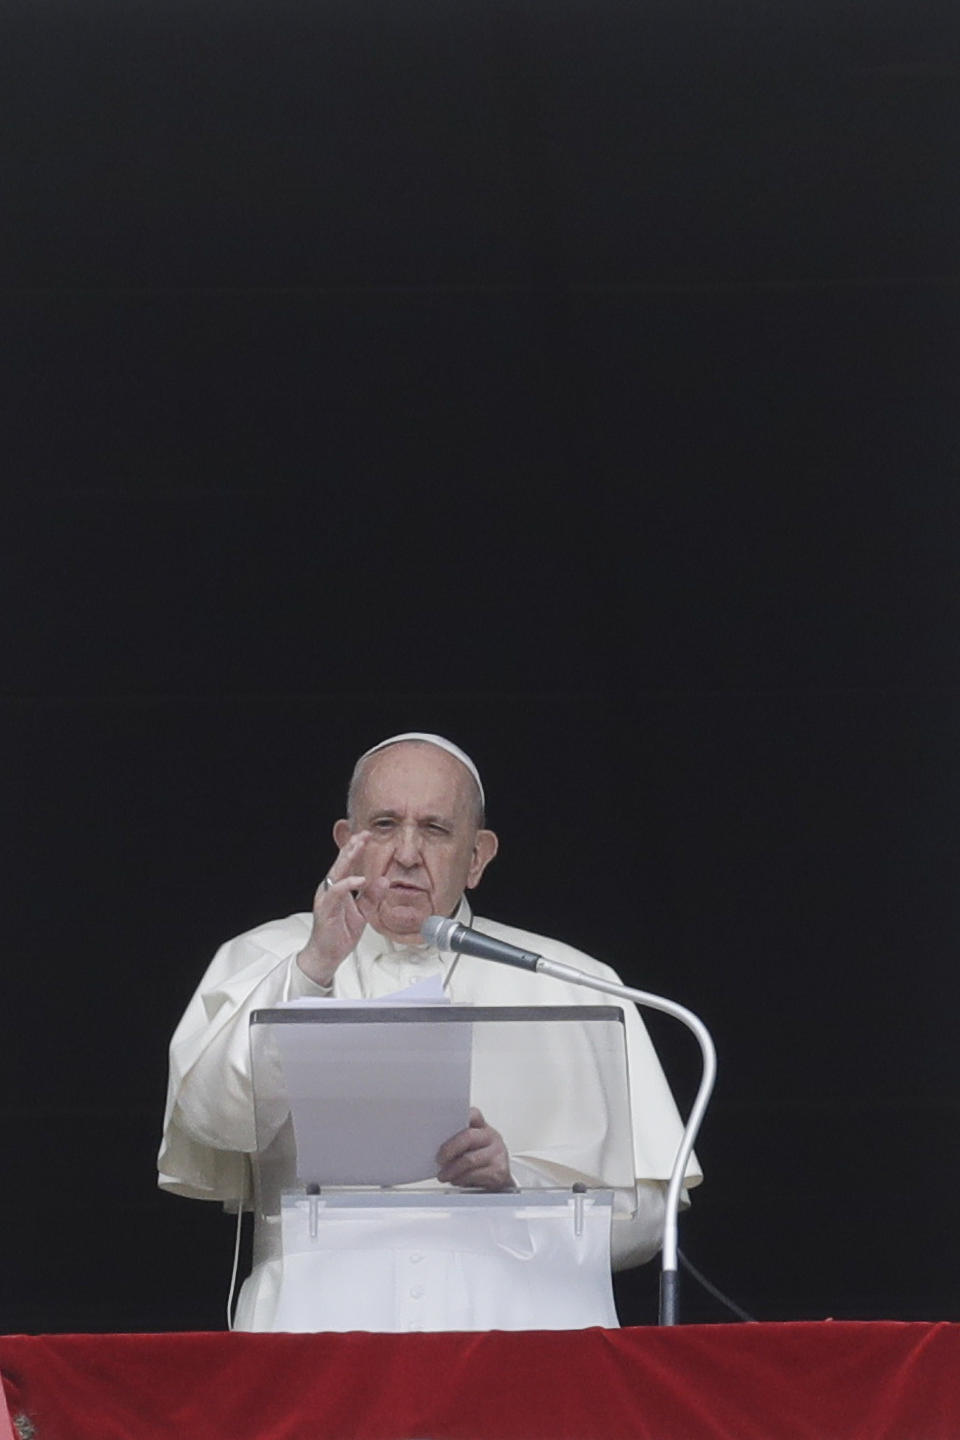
{"points": [[422, 992], [373, 1102]]}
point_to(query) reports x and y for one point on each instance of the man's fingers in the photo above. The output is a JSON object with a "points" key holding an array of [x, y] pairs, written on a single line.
{"points": [[330, 886], [486, 1169], [467, 1163], [475, 1156], [345, 862], [461, 1143], [371, 893]]}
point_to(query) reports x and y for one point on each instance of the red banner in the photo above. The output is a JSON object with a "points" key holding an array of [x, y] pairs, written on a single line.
{"points": [[831, 1381]]}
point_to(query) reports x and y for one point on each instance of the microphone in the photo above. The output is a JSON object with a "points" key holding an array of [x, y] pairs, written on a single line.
{"points": [[448, 935]]}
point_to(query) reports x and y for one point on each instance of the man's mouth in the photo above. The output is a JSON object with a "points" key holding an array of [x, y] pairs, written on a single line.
{"points": [[406, 888]]}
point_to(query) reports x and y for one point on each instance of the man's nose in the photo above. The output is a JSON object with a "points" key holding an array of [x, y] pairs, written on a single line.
{"points": [[408, 845]]}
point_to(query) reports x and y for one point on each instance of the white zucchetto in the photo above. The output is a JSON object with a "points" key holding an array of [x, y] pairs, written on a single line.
{"points": [[441, 744]]}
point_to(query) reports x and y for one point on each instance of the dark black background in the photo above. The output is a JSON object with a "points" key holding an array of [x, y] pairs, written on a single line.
{"points": [[578, 379]]}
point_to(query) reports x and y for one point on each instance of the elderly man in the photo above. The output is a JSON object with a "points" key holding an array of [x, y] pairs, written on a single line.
{"points": [[412, 843]]}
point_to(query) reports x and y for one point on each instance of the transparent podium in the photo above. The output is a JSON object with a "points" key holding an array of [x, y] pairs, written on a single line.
{"points": [[352, 1230]]}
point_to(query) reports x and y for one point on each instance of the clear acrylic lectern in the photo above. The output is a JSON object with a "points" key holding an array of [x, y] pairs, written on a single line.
{"points": [[352, 1229]]}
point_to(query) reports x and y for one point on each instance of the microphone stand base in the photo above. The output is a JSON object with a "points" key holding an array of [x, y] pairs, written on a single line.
{"points": [[669, 1296]]}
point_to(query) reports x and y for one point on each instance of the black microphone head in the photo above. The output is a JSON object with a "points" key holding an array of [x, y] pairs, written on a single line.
{"points": [[436, 930]]}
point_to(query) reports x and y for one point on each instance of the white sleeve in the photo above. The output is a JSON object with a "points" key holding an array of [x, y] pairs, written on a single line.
{"points": [[209, 1122], [635, 1239]]}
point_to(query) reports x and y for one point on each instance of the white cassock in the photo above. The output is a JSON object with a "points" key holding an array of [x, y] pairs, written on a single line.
{"points": [[551, 1131]]}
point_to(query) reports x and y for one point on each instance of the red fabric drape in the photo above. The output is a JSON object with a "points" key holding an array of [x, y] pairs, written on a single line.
{"points": [[830, 1381]]}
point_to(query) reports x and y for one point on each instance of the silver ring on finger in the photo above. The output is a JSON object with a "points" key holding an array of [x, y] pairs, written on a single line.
{"points": [[327, 883]]}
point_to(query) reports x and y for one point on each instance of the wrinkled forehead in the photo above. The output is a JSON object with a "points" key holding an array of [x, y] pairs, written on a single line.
{"points": [[439, 742], [414, 777]]}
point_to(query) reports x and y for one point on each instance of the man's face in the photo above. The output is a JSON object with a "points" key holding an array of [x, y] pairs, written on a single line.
{"points": [[419, 806]]}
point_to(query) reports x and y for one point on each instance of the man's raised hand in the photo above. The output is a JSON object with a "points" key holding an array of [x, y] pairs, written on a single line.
{"points": [[341, 905]]}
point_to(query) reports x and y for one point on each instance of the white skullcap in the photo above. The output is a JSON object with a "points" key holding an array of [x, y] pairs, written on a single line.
{"points": [[441, 744]]}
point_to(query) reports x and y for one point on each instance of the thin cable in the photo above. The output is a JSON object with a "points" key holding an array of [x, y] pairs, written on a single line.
{"points": [[711, 1289], [236, 1265]]}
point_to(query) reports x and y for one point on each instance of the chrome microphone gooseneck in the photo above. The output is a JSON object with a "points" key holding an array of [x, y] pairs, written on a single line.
{"points": [[448, 935]]}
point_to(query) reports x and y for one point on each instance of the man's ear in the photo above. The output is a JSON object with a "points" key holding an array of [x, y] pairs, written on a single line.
{"points": [[485, 846], [341, 833]]}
